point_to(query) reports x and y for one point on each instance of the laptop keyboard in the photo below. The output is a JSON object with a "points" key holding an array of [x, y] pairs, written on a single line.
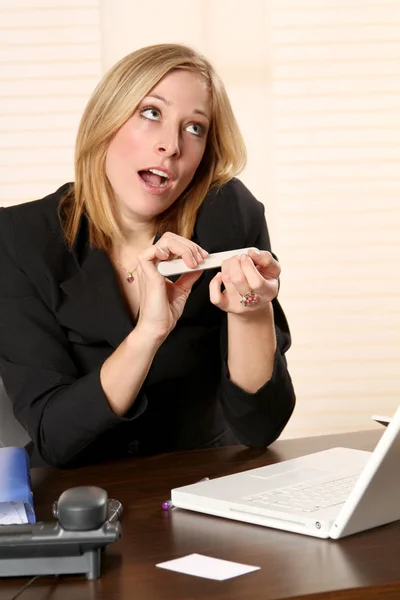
{"points": [[307, 497]]}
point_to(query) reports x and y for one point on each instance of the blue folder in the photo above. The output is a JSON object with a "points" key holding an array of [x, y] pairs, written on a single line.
{"points": [[15, 482]]}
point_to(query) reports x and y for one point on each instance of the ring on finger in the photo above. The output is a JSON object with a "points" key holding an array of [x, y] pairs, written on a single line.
{"points": [[249, 299]]}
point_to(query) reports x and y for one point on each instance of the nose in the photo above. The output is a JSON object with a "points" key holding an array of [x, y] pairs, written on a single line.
{"points": [[170, 145]]}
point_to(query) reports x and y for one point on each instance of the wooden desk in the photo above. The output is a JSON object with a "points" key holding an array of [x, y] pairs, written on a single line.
{"points": [[365, 566]]}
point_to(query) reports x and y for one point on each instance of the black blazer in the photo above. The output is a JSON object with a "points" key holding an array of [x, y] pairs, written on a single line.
{"points": [[62, 314]]}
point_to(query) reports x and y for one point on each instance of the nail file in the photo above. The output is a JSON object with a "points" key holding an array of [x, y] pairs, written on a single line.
{"points": [[213, 261]]}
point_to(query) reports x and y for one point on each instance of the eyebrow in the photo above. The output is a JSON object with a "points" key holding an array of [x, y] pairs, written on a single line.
{"points": [[197, 111]]}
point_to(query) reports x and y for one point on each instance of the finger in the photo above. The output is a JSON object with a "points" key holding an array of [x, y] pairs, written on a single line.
{"points": [[147, 259], [161, 254], [234, 276], [153, 253], [188, 253], [253, 277], [203, 252], [187, 280], [217, 297], [265, 260], [197, 251], [231, 289], [195, 247]]}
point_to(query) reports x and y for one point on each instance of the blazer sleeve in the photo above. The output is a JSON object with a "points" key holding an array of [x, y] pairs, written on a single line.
{"points": [[258, 419], [62, 412]]}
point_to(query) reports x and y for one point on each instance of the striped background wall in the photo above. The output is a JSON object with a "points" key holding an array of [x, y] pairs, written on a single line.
{"points": [[50, 60], [336, 91], [315, 86]]}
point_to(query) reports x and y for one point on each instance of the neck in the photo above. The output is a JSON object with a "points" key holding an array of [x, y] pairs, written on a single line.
{"points": [[137, 232], [138, 235]]}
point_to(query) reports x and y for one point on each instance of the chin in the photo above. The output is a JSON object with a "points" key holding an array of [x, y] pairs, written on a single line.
{"points": [[155, 204], [147, 210]]}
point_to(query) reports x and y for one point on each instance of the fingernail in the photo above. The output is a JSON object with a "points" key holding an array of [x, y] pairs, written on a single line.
{"points": [[204, 252], [166, 254], [199, 257], [255, 251], [243, 257]]}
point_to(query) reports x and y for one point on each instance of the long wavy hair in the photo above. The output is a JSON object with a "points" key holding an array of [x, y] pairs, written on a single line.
{"points": [[112, 103]]}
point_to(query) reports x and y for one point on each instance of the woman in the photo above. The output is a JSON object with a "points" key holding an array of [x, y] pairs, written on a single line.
{"points": [[101, 355]]}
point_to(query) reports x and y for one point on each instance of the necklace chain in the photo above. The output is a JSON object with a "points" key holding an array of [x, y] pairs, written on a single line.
{"points": [[130, 272]]}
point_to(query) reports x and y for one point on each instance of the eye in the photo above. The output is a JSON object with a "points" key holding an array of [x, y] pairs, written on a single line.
{"points": [[151, 113], [196, 129]]}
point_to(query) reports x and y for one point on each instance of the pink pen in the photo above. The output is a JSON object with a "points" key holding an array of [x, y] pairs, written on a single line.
{"points": [[168, 503]]}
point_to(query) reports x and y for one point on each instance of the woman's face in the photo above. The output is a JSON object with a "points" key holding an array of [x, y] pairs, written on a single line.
{"points": [[153, 157]]}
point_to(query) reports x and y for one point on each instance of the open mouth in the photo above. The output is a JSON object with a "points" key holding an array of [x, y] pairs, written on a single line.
{"points": [[154, 177]]}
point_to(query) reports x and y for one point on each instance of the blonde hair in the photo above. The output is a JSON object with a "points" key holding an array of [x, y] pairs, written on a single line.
{"points": [[112, 103]]}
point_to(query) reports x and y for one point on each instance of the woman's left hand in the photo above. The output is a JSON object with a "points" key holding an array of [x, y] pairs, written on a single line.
{"points": [[258, 272]]}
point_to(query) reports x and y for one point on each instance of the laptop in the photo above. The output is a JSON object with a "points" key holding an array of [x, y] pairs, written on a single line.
{"points": [[328, 494]]}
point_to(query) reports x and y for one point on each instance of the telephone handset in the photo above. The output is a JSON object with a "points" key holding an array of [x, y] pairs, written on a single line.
{"points": [[87, 521]]}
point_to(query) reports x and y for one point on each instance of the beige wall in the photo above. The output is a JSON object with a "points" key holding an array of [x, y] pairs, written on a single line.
{"points": [[315, 87], [335, 69], [50, 61]]}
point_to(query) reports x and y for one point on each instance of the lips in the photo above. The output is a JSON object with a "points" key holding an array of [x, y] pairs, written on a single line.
{"points": [[156, 176], [156, 180]]}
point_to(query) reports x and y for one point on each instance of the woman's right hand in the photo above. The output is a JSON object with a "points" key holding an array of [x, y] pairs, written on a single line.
{"points": [[161, 301]]}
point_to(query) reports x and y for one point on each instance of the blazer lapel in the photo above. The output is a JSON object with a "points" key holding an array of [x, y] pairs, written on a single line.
{"points": [[93, 305]]}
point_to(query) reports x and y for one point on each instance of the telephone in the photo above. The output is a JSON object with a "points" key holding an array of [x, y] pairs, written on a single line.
{"points": [[87, 521]]}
